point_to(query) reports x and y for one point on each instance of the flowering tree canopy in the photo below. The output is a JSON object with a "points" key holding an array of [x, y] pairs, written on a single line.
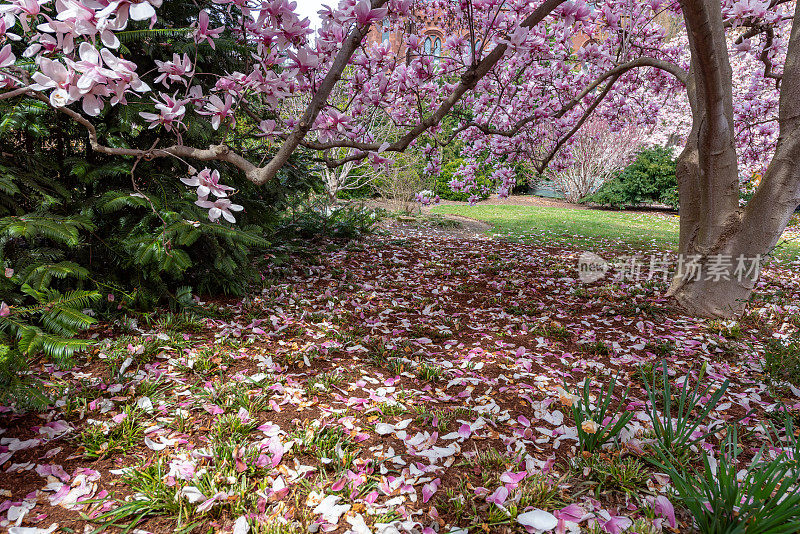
{"points": [[509, 73]]}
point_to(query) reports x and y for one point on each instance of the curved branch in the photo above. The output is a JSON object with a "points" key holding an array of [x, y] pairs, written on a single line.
{"points": [[613, 74], [17, 92], [212, 153]]}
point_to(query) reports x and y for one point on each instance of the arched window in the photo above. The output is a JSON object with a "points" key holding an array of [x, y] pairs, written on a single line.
{"points": [[386, 32], [428, 46], [437, 47]]}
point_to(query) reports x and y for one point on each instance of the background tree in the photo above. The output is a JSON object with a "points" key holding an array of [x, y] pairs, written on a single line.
{"points": [[596, 154]]}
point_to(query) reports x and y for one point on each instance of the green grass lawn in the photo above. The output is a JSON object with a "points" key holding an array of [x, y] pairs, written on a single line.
{"points": [[584, 228]]}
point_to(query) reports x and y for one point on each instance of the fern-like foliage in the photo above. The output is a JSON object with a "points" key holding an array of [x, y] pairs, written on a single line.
{"points": [[75, 224], [47, 327], [166, 246]]}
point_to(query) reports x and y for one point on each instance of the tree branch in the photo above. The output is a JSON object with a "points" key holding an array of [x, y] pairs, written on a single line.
{"points": [[333, 76], [212, 153]]}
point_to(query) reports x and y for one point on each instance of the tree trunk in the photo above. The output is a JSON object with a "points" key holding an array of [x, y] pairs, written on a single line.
{"points": [[724, 242]]}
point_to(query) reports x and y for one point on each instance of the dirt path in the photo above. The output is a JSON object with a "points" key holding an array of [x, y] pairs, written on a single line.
{"points": [[522, 200], [464, 227]]}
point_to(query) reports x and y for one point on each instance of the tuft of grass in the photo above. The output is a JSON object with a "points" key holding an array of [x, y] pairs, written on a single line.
{"points": [[539, 491], [181, 323], [276, 527], [103, 440], [782, 362], [232, 427], [458, 501], [325, 381], [727, 329], [127, 352], [392, 409], [153, 498], [151, 388], [520, 310], [554, 332], [430, 372], [598, 348], [330, 444], [442, 417], [437, 221], [235, 395], [662, 349], [722, 497], [203, 362], [396, 365], [610, 472], [679, 419], [597, 422]]}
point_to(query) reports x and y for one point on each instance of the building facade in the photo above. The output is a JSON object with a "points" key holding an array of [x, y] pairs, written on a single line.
{"points": [[434, 32]]}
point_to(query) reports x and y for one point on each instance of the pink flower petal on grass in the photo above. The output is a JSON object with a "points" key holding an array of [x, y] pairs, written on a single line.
{"points": [[213, 409], [429, 489], [616, 525], [663, 508], [499, 497], [573, 513], [510, 477]]}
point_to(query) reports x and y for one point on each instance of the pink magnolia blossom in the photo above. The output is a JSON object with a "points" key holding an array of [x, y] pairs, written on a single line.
{"points": [[207, 181], [135, 9], [203, 32], [219, 110], [5, 310], [365, 15], [222, 207], [7, 56], [91, 68], [175, 70], [171, 112], [54, 75]]}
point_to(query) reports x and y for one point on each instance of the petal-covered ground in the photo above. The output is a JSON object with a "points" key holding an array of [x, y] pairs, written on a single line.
{"points": [[413, 382]]}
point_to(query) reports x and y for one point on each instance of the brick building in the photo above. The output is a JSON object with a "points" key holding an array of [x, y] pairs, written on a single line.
{"points": [[432, 31]]}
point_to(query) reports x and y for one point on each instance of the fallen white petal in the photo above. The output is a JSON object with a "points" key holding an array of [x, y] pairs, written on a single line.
{"points": [[241, 526], [538, 519]]}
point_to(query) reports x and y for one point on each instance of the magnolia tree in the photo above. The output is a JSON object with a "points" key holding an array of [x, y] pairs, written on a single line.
{"points": [[508, 72], [595, 154]]}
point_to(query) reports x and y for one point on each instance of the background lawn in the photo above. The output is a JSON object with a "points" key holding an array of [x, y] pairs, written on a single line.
{"points": [[586, 228]]}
